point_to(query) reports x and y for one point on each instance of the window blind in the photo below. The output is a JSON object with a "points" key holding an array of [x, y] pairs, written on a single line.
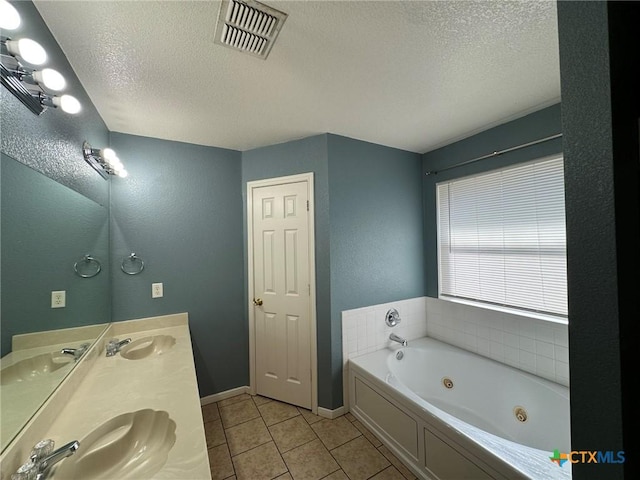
{"points": [[501, 237]]}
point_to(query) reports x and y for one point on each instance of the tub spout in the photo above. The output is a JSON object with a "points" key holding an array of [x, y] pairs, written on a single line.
{"points": [[398, 339]]}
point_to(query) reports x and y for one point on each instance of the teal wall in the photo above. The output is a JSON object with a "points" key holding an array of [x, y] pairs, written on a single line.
{"points": [[599, 62], [376, 222], [180, 211], [537, 125]]}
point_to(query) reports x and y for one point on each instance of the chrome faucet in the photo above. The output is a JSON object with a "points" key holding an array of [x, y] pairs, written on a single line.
{"points": [[54, 457], [76, 352], [42, 458], [114, 346], [398, 339]]}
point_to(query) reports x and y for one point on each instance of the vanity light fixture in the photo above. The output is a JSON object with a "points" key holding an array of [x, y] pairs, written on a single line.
{"points": [[19, 62], [104, 161]]}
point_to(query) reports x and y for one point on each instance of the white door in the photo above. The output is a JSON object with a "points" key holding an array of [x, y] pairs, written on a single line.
{"points": [[281, 292]]}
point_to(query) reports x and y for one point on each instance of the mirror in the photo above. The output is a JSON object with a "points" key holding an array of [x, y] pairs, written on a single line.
{"points": [[47, 231]]}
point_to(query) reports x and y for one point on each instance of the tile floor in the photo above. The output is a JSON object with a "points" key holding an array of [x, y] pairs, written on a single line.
{"points": [[255, 438]]}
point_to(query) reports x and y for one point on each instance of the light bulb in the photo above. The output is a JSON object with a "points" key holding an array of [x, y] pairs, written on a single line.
{"points": [[50, 78], [108, 154], [28, 50], [67, 103], [123, 173], [9, 16], [117, 167]]}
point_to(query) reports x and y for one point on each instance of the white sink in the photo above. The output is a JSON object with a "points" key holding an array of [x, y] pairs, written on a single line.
{"points": [[131, 446], [147, 346], [33, 368]]}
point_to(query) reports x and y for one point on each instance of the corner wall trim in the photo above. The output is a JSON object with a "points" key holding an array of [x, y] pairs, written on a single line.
{"points": [[331, 414], [216, 397]]}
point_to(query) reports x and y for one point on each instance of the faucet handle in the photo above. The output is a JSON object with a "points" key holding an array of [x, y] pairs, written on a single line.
{"points": [[112, 348], [41, 450], [392, 318], [28, 471], [42, 458]]}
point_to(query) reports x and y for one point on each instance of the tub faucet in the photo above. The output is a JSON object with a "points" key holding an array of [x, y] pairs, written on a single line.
{"points": [[114, 346], [76, 352], [398, 339]]}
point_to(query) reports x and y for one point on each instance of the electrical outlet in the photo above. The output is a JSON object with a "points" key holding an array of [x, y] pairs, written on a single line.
{"points": [[156, 290], [58, 299]]}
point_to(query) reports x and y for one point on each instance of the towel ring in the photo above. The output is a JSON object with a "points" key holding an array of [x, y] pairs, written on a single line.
{"points": [[87, 260], [133, 261]]}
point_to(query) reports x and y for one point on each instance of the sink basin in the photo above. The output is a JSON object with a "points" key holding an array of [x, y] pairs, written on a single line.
{"points": [[133, 445], [144, 347], [34, 367]]}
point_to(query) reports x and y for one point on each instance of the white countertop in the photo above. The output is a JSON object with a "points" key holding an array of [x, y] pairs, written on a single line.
{"points": [[115, 385], [20, 400]]}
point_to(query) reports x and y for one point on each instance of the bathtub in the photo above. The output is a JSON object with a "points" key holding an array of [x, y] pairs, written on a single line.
{"points": [[451, 414]]}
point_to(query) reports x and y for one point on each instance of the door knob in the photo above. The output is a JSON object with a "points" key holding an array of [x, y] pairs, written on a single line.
{"points": [[257, 302]]}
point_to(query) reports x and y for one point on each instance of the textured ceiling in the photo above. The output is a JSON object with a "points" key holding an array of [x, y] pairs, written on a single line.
{"points": [[413, 75]]}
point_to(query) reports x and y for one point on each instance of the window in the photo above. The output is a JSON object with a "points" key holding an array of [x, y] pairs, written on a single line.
{"points": [[501, 237]]}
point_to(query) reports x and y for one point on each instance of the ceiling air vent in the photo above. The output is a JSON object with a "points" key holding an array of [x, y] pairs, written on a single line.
{"points": [[248, 26]]}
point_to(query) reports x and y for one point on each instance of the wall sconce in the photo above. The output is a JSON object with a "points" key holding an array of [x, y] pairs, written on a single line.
{"points": [[19, 60], [104, 161]]}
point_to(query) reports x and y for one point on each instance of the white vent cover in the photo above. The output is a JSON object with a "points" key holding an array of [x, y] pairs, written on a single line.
{"points": [[248, 26]]}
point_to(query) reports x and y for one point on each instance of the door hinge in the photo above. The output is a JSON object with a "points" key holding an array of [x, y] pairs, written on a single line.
{"points": [[307, 205], [309, 288]]}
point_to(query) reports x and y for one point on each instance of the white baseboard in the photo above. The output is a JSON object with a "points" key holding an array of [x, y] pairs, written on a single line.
{"points": [[216, 397], [331, 414]]}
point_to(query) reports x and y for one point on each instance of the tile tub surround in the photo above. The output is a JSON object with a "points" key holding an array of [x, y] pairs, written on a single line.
{"points": [[364, 330], [536, 346], [254, 438], [110, 386]]}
